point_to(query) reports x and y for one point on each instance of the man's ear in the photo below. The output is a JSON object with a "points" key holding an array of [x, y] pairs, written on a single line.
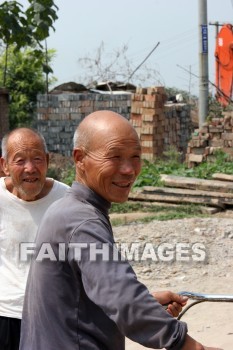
{"points": [[4, 166], [78, 156], [47, 159]]}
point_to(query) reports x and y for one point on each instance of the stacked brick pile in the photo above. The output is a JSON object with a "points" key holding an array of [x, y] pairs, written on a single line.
{"points": [[177, 126], [214, 135], [159, 125], [146, 116]]}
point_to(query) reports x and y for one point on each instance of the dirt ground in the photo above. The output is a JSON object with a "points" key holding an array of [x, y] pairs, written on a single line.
{"points": [[210, 323]]}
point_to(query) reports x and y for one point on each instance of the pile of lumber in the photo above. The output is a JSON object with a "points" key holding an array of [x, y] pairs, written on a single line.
{"points": [[217, 192]]}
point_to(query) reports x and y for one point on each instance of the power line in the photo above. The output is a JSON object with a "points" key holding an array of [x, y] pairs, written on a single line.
{"points": [[135, 70], [182, 40], [217, 88]]}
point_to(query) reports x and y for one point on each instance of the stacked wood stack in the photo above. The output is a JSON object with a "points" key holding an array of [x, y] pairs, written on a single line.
{"points": [[213, 136], [159, 125], [215, 194]]}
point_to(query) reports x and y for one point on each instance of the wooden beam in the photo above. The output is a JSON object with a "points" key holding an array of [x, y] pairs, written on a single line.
{"points": [[222, 177], [204, 209], [197, 184], [179, 198]]}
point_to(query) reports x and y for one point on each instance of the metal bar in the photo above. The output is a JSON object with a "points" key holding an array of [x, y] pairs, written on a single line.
{"points": [[207, 297], [200, 298]]}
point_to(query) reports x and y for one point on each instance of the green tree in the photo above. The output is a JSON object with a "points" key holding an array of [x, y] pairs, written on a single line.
{"points": [[25, 79], [24, 27], [24, 71]]}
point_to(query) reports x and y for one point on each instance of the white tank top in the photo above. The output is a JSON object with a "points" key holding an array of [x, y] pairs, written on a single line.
{"points": [[19, 221]]}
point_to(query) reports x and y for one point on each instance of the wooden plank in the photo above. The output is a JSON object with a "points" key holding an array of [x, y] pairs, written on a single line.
{"points": [[170, 198], [204, 209], [186, 192], [210, 210], [222, 177], [197, 184], [156, 204]]}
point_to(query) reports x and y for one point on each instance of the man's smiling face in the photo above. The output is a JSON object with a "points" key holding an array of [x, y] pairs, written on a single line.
{"points": [[112, 163], [26, 164]]}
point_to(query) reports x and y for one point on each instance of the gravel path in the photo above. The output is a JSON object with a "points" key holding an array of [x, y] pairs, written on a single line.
{"points": [[189, 254]]}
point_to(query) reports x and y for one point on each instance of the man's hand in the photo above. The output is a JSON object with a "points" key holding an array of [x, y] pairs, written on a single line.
{"points": [[174, 301], [192, 344]]}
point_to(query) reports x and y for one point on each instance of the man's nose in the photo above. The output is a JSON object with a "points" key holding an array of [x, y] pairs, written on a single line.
{"points": [[127, 167], [29, 166]]}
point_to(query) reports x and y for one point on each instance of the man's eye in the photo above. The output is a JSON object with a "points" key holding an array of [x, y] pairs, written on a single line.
{"points": [[19, 161]]}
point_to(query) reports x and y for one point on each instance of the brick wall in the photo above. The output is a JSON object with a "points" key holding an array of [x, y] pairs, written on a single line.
{"points": [[59, 115], [158, 124], [4, 112]]}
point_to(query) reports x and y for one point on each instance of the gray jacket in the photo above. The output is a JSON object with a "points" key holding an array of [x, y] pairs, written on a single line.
{"points": [[80, 294]]}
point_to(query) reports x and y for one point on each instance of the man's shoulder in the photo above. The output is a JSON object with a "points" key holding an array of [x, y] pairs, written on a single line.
{"points": [[57, 187], [60, 184], [70, 205], [53, 190]]}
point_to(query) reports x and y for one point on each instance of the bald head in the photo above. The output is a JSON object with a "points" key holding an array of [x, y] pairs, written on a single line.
{"points": [[18, 134], [98, 125]]}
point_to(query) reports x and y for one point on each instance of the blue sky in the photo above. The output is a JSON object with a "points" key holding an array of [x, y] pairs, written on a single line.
{"points": [[83, 25]]}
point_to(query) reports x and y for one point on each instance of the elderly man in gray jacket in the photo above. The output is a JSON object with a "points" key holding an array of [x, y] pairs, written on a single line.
{"points": [[81, 293]]}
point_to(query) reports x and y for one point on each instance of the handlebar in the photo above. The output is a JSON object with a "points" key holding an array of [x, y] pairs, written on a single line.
{"points": [[207, 297], [200, 298]]}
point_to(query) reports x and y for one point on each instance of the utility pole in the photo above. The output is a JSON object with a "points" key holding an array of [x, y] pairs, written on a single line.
{"points": [[203, 63]]}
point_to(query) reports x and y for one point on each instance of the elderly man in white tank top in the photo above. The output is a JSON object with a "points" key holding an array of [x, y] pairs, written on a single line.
{"points": [[25, 194]]}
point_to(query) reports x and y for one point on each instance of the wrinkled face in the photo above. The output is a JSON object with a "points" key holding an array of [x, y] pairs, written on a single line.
{"points": [[27, 165], [112, 167]]}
